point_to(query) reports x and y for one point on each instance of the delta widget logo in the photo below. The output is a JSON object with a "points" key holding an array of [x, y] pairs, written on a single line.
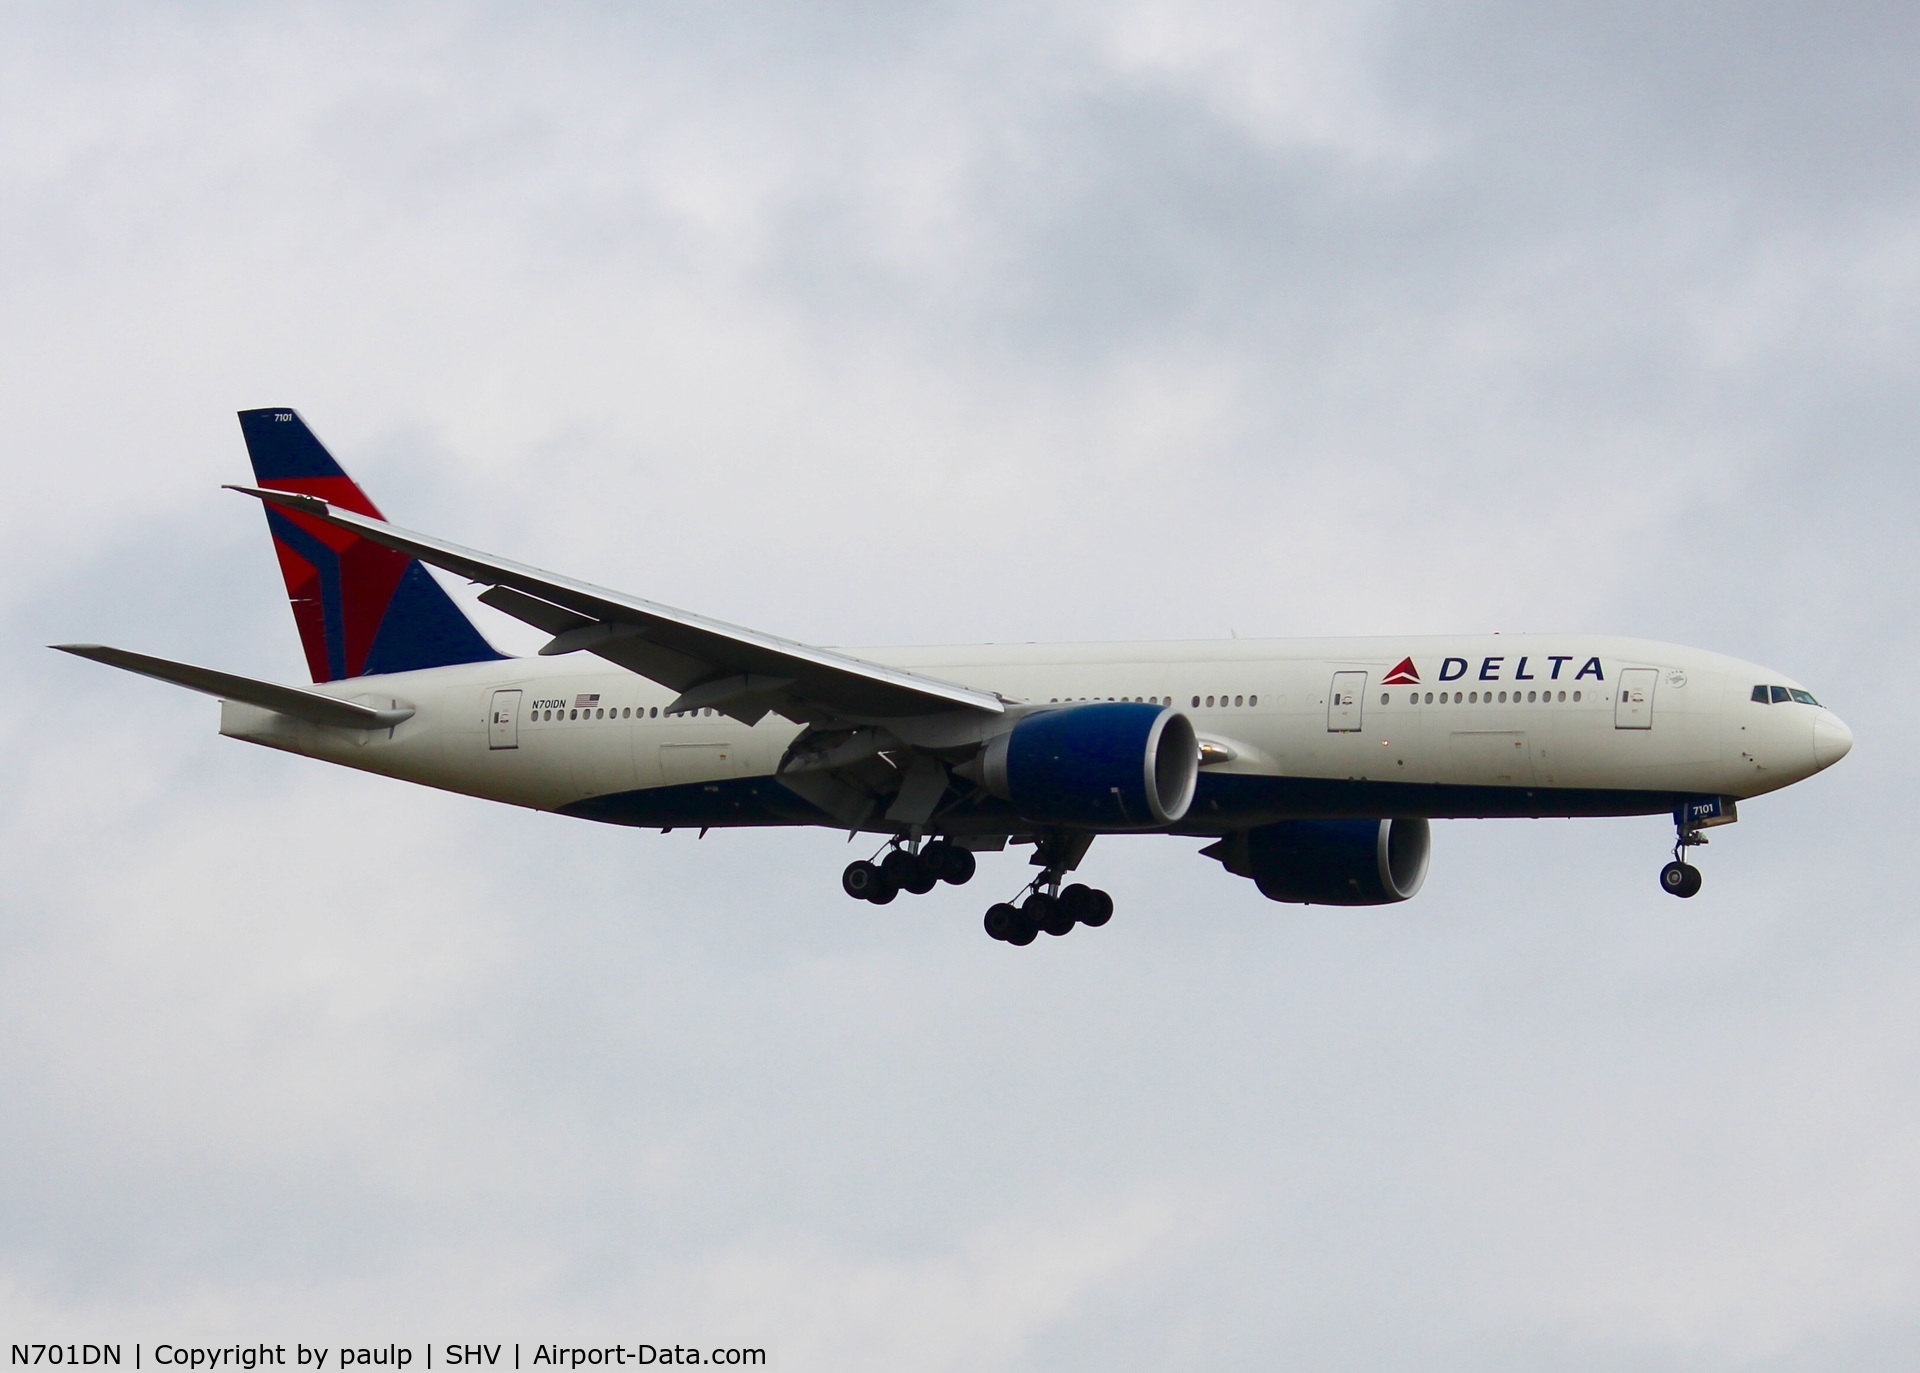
{"points": [[1404, 673]]}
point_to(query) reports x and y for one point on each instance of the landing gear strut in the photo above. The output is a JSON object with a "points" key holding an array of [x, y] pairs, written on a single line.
{"points": [[1681, 878]]}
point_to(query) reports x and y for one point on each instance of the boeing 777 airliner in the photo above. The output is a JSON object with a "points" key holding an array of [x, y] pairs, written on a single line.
{"points": [[1313, 765]]}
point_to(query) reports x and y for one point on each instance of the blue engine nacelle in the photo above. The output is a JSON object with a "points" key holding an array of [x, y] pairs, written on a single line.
{"points": [[1110, 765], [1331, 862]]}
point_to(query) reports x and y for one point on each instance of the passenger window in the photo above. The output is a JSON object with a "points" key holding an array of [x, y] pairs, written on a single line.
{"points": [[1209, 702], [1805, 698], [1576, 696], [1240, 701], [1760, 695], [1780, 695], [573, 715], [1473, 698], [1503, 698], [1429, 698], [1384, 697], [1253, 700]]}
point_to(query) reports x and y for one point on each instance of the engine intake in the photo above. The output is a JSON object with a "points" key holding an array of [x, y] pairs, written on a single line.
{"points": [[1105, 765], [1331, 862]]}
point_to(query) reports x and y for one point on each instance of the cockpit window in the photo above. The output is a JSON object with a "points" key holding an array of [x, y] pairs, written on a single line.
{"points": [[1779, 695]]}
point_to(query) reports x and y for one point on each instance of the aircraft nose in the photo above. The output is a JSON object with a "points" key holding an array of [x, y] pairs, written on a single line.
{"points": [[1831, 740]]}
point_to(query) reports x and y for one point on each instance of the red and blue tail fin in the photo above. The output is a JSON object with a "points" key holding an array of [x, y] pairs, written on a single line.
{"points": [[362, 609]]}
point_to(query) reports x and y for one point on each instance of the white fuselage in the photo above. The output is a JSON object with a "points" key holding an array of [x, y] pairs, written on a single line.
{"points": [[1494, 725]]}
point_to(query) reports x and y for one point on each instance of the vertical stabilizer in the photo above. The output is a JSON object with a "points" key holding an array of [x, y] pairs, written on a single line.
{"points": [[361, 608]]}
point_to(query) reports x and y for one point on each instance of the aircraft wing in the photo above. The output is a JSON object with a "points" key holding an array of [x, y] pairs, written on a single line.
{"points": [[741, 672], [298, 702]]}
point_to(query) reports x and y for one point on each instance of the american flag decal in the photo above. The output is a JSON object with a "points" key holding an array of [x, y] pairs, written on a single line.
{"points": [[583, 699]]}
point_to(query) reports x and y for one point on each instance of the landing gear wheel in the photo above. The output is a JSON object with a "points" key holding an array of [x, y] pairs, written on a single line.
{"points": [[1049, 914], [1023, 931], [908, 871], [883, 891], [860, 879], [1090, 905], [1680, 879], [1001, 919], [950, 862]]}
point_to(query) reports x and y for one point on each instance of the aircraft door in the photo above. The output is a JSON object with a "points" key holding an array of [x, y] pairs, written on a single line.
{"points": [[1633, 698], [1344, 702], [503, 720]]}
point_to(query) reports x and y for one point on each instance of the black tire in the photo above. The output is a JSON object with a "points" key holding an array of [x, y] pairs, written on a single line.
{"points": [[908, 872], [1024, 931], [1078, 901], [859, 879], [960, 866], [1102, 910], [937, 854], [883, 890], [1680, 879], [1001, 919], [1049, 914]]}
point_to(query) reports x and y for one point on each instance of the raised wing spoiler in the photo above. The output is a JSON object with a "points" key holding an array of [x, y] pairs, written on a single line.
{"points": [[742, 672], [298, 702]]}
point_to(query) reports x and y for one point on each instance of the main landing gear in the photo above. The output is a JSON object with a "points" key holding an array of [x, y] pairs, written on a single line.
{"points": [[909, 870], [1048, 908], [1681, 878], [1045, 906]]}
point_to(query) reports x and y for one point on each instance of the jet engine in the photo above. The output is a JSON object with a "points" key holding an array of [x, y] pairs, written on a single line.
{"points": [[1331, 862], [1118, 765]]}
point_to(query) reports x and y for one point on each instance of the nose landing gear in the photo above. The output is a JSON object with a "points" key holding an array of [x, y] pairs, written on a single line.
{"points": [[1680, 878]]}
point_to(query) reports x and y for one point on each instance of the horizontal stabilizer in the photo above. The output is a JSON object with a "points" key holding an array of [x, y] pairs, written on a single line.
{"points": [[298, 702]]}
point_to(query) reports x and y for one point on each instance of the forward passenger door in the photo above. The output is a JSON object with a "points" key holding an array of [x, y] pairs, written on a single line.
{"points": [[1633, 698]]}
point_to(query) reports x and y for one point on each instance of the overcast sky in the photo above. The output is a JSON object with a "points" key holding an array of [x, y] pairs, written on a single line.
{"points": [[876, 324]]}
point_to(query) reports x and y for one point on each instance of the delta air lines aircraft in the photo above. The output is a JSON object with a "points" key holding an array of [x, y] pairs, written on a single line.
{"points": [[1312, 765]]}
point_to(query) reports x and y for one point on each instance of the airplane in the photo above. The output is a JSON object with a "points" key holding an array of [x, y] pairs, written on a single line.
{"points": [[1312, 766]]}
